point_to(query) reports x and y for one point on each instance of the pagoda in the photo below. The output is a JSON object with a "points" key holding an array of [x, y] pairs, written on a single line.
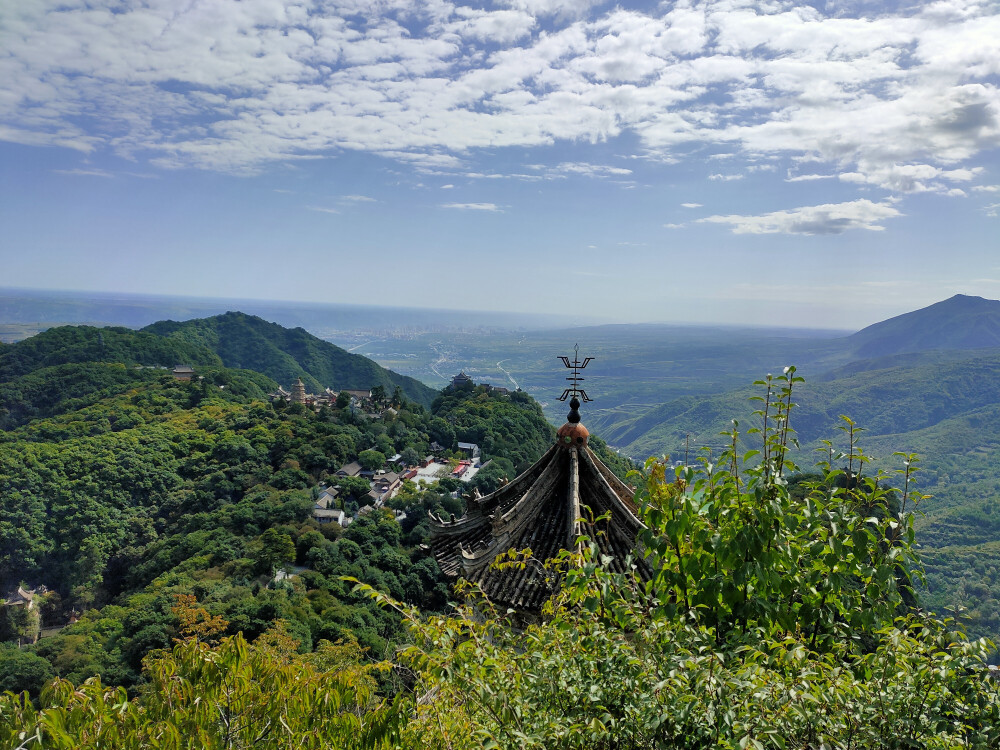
{"points": [[545, 510], [299, 392]]}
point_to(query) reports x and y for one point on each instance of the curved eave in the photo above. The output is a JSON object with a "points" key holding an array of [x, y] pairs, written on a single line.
{"points": [[540, 510]]}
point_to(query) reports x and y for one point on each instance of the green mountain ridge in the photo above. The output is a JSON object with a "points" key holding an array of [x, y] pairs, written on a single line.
{"points": [[898, 375], [70, 367], [284, 354], [960, 322], [890, 401], [72, 344]]}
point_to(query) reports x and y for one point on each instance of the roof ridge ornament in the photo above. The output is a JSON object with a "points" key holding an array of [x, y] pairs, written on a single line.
{"points": [[575, 390]]}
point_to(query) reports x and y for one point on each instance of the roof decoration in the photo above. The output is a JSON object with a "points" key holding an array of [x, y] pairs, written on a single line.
{"points": [[576, 365]]}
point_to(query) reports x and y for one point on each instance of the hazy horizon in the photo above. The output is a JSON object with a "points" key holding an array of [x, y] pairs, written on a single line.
{"points": [[199, 307]]}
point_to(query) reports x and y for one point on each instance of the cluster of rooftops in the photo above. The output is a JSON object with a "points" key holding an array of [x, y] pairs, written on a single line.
{"points": [[298, 395], [385, 483]]}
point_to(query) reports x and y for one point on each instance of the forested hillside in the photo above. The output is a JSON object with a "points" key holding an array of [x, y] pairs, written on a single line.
{"points": [[942, 406], [284, 354], [124, 490], [73, 344]]}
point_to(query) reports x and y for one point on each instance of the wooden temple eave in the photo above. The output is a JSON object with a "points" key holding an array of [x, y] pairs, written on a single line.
{"points": [[524, 511], [512, 492], [456, 525], [573, 500], [472, 561], [626, 512]]}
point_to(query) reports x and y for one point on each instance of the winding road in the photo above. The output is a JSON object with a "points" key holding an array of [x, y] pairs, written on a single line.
{"points": [[509, 376]]}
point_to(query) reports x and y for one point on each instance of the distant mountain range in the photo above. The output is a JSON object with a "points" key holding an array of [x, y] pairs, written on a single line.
{"points": [[232, 340], [903, 374], [891, 400], [927, 382], [960, 322]]}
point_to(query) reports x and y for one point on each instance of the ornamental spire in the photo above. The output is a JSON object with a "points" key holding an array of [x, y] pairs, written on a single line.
{"points": [[575, 390]]}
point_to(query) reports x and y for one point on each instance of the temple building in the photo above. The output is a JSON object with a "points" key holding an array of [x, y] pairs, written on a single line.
{"points": [[545, 510]]}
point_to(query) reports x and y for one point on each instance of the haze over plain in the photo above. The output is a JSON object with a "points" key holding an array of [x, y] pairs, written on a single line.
{"points": [[826, 165]]}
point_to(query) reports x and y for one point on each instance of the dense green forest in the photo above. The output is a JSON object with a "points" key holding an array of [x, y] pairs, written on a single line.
{"points": [[160, 491], [122, 489]]}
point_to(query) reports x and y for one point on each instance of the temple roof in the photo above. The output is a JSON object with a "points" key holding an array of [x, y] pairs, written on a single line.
{"points": [[545, 510]]}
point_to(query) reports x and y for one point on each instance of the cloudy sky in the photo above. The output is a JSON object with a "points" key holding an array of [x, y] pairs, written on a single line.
{"points": [[813, 164]]}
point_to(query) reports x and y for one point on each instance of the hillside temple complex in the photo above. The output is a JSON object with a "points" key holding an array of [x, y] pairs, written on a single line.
{"points": [[545, 510]]}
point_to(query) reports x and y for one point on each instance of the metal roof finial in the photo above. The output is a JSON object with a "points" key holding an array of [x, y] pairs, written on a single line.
{"points": [[575, 390]]}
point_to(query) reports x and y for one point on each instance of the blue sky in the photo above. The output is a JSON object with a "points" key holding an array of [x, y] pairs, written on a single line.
{"points": [[819, 165]]}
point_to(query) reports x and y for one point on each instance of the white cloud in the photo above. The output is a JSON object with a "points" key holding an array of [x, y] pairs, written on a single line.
{"points": [[323, 209], [911, 178], [725, 177], [426, 161], [501, 26], [590, 170], [829, 218], [896, 100], [357, 199], [691, 205], [986, 188], [673, 226], [569, 8], [84, 172], [809, 177], [473, 206]]}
